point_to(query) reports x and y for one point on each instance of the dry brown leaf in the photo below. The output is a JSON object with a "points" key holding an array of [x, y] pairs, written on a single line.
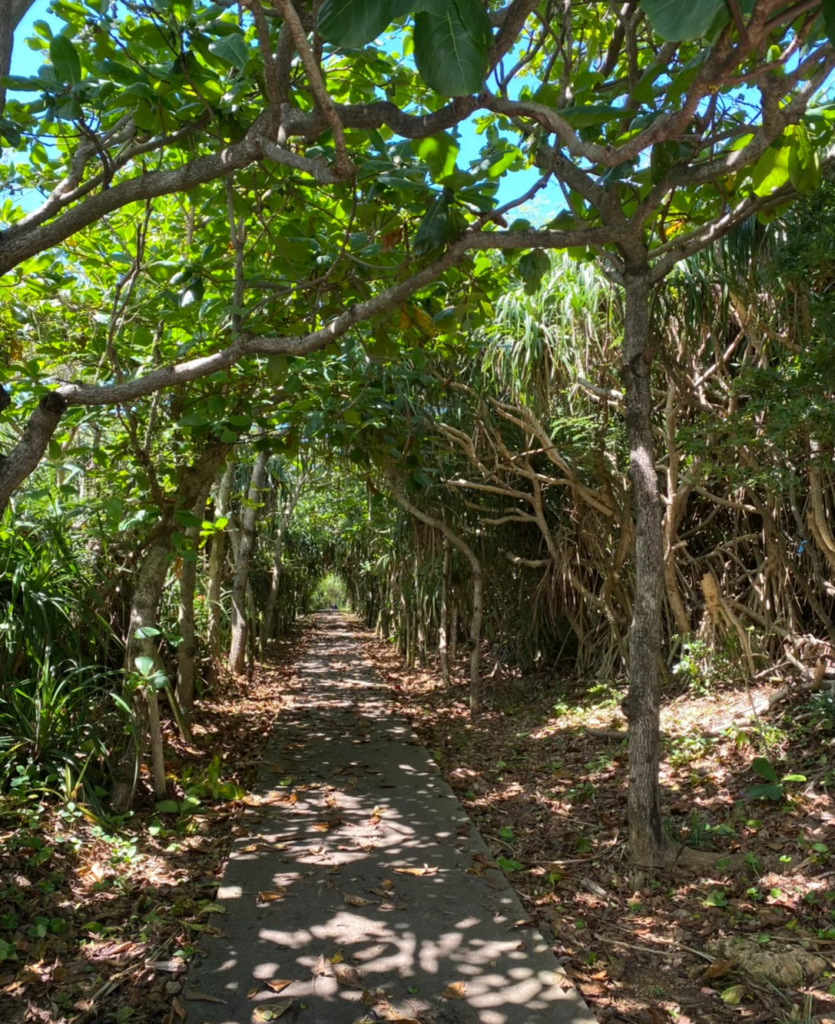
{"points": [[326, 826], [278, 985], [320, 967], [271, 1012], [196, 996], [178, 1008], [271, 895], [718, 969], [253, 992], [455, 990], [425, 870], [357, 901], [348, 977], [385, 1011]]}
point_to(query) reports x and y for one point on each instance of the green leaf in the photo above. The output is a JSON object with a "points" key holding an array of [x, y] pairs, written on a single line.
{"points": [[680, 20], [20, 84], [65, 60], [168, 807], [434, 228], [771, 172], [734, 995], [277, 369], [145, 632], [144, 665], [588, 114], [451, 48], [438, 152], [354, 22], [532, 267], [828, 8], [762, 766], [766, 792], [231, 49]]}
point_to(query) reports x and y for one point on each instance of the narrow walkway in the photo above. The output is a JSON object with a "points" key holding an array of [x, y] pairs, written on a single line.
{"points": [[362, 883]]}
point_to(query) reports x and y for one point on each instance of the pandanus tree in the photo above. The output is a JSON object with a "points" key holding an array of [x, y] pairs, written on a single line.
{"points": [[663, 125]]}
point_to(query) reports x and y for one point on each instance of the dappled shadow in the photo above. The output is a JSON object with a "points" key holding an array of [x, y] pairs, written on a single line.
{"points": [[550, 794], [361, 880]]}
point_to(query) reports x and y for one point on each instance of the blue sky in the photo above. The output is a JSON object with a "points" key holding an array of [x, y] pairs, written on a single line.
{"points": [[26, 62]]}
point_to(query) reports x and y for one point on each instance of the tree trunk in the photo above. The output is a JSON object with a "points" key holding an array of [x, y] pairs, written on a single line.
{"points": [[246, 547], [216, 563], [150, 579], [23, 459], [453, 632], [646, 839], [443, 650], [478, 590], [187, 648], [15, 11], [267, 627]]}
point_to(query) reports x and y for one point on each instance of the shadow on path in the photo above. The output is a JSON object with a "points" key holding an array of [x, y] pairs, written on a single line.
{"points": [[348, 803]]}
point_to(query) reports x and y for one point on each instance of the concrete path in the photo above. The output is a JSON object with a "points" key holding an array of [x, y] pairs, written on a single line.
{"points": [[362, 882]]}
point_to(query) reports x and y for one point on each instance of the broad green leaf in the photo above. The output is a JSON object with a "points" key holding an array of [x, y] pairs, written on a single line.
{"points": [[771, 172], [762, 766], [451, 49], [277, 369], [354, 22], [65, 60], [680, 20], [497, 169], [532, 267], [828, 8], [768, 792], [144, 665], [438, 152], [20, 84], [231, 49], [434, 228], [589, 114]]}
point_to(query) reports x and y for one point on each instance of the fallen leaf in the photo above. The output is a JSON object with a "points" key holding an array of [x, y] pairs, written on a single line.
{"points": [[271, 1012], [455, 990], [718, 969], [196, 996], [167, 966], [348, 977], [734, 995], [425, 870], [357, 901], [271, 895], [278, 986], [337, 958], [320, 967], [178, 1008]]}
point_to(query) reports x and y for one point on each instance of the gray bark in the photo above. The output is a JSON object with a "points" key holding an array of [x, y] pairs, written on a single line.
{"points": [[216, 563], [23, 459], [12, 12], [646, 839], [150, 579], [443, 626], [267, 627], [187, 648], [246, 547]]}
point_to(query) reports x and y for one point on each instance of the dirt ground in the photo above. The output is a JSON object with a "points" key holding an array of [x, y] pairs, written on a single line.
{"points": [[746, 935]]}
